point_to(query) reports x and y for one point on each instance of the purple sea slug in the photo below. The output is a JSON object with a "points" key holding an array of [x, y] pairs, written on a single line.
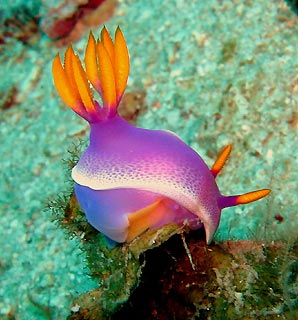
{"points": [[132, 179]]}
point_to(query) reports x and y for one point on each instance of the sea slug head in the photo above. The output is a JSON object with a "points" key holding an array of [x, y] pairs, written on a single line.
{"points": [[131, 179]]}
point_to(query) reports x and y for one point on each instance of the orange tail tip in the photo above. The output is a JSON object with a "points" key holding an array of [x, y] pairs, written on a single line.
{"points": [[107, 69], [230, 201], [252, 196], [221, 160]]}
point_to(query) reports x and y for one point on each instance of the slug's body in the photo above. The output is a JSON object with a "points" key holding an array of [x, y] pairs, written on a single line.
{"points": [[156, 162], [130, 179]]}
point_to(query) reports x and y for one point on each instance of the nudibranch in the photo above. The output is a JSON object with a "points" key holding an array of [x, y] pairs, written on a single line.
{"points": [[131, 179]]}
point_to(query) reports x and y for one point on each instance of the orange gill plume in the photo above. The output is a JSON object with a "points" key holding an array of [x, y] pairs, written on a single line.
{"points": [[107, 68]]}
